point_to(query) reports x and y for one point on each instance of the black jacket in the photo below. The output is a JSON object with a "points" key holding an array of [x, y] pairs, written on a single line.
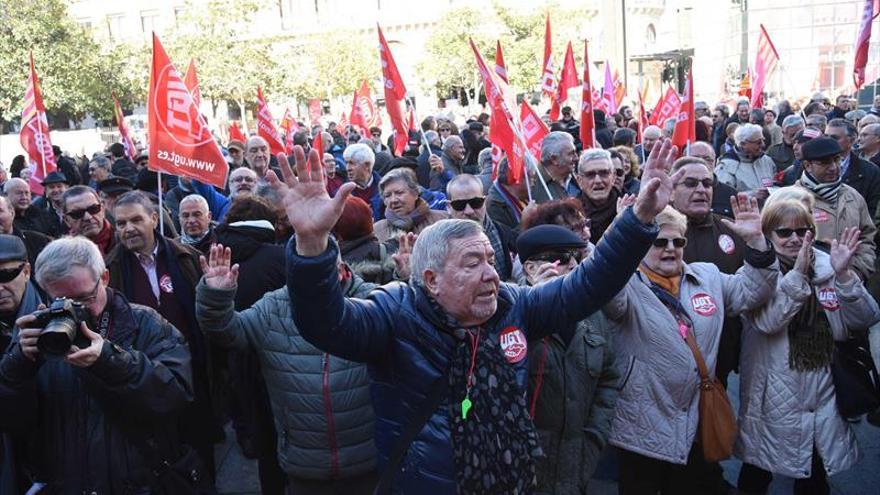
{"points": [[721, 194], [36, 218], [82, 418], [122, 167]]}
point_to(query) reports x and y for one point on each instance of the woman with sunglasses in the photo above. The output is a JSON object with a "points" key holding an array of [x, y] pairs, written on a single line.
{"points": [[667, 303], [788, 418]]}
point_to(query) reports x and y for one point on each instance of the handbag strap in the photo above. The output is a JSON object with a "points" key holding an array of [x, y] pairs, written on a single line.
{"points": [[408, 434], [698, 356]]}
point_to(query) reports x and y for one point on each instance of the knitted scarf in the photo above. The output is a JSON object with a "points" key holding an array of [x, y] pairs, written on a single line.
{"points": [[495, 445], [826, 191], [810, 341], [669, 284], [409, 222]]}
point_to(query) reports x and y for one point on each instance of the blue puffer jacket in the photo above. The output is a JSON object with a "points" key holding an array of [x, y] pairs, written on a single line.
{"points": [[396, 331]]}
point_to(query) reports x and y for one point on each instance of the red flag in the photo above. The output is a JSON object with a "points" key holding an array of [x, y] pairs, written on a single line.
{"points": [[534, 130], [863, 40], [34, 134], [235, 133], [500, 66], [643, 118], [191, 79], [608, 91], [766, 60], [567, 81], [685, 125], [619, 89], [318, 144], [363, 111], [598, 102], [266, 125], [315, 111], [548, 75], [395, 94], [505, 128], [588, 124], [288, 128], [666, 108], [180, 141], [124, 135]]}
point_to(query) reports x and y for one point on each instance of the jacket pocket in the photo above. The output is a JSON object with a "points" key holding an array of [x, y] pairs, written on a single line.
{"points": [[595, 354]]}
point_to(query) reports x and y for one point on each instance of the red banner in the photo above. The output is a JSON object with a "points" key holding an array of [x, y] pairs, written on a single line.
{"points": [[315, 111], [619, 88], [289, 127], [501, 72], [863, 40], [124, 135], [34, 135], [548, 74], [534, 130], [236, 134], [180, 141], [266, 125], [588, 124], [567, 80], [191, 79], [500, 66], [364, 113], [685, 126], [643, 118], [666, 108], [395, 94], [766, 60]]}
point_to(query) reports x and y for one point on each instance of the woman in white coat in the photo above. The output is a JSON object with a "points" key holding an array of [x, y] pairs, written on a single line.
{"points": [[788, 419]]}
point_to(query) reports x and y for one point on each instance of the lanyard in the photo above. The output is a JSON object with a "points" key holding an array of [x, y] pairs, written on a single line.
{"points": [[475, 344]]}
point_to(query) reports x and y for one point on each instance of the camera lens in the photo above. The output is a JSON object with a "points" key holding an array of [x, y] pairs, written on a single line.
{"points": [[57, 337]]}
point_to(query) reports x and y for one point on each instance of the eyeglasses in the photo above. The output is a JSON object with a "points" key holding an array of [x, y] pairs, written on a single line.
{"points": [[91, 210], [461, 204], [90, 298], [9, 274], [784, 233], [619, 172], [445, 129], [563, 257], [692, 183], [376, 134], [592, 174], [678, 242]]}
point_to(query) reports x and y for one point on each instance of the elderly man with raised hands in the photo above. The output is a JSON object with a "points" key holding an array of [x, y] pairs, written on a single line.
{"points": [[447, 353]]}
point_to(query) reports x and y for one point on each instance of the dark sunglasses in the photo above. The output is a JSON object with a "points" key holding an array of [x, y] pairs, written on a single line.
{"points": [[692, 183], [619, 172], [678, 242], [78, 214], [784, 233], [563, 257], [461, 204], [445, 129], [9, 274]]}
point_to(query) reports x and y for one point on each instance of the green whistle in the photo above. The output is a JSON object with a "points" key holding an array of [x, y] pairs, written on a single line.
{"points": [[465, 407]]}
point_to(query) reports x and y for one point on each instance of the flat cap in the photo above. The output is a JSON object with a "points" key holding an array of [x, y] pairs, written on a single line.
{"points": [[12, 249], [55, 178], [115, 185], [545, 238], [820, 149], [235, 143]]}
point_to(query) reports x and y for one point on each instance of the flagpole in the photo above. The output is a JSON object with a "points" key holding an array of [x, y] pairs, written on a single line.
{"points": [[161, 211], [416, 117]]}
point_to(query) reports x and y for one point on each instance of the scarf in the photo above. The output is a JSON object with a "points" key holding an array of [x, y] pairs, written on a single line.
{"points": [[672, 285], [810, 341], [495, 446], [514, 204], [600, 216], [190, 240], [411, 221], [828, 192], [104, 240]]}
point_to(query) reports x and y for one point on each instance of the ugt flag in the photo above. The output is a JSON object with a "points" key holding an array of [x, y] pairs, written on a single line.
{"points": [[34, 135]]}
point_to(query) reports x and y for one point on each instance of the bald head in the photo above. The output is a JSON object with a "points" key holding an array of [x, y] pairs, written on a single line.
{"points": [[650, 136], [703, 151], [19, 193], [257, 155]]}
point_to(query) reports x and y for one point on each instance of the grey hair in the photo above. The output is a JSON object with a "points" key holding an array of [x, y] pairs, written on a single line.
{"points": [[360, 153], [484, 159], [591, 154], [404, 175], [196, 198], [432, 137], [847, 126], [747, 132], [453, 139], [101, 161], [252, 139], [552, 144], [817, 119], [60, 256], [137, 198], [792, 121], [14, 181], [652, 129], [433, 244], [75, 192]]}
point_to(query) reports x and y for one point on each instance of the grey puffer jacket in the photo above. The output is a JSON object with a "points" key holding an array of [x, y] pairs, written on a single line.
{"points": [[783, 413], [657, 411], [745, 174], [321, 403]]}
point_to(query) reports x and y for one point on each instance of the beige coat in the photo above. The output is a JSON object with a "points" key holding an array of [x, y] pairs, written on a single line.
{"points": [[849, 211], [384, 231]]}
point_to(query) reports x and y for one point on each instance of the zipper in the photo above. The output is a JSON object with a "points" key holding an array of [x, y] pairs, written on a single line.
{"points": [[328, 414]]}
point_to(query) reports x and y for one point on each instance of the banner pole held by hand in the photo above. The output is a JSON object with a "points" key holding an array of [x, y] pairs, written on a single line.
{"points": [[161, 211]]}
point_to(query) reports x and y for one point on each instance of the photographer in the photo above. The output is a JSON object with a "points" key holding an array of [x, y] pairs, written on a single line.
{"points": [[100, 409]]}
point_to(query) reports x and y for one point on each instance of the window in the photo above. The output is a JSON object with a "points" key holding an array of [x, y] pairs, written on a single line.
{"points": [[149, 21], [114, 26]]}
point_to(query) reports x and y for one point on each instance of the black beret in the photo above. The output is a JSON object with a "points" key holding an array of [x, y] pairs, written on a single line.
{"points": [[115, 185], [55, 178], [545, 238], [820, 148], [12, 248]]}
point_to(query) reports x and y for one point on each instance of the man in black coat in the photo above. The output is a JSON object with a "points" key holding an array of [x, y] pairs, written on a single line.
{"points": [[122, 166], [28, 216], [861, 175], [67, 166], [603, 134], [34, 241]]}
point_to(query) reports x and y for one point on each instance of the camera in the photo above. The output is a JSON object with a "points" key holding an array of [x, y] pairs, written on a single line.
{"points": [[60, 323]]}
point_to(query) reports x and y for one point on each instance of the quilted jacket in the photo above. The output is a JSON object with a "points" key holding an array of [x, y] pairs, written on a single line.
{"points": [[321, 404], [744, 174], [657, 412], [783, 413], [407, 347]]}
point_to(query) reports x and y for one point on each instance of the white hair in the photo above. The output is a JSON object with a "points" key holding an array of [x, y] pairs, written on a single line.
{"points": [[61, 256], [747, 132], [360, 153], [792, 121], [552, 144], [195, 198], [433, 244], [592, 154], [15, 181]]}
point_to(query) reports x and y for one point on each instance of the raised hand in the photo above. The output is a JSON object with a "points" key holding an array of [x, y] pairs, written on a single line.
{"points": [[311, 211], [805, 256], [747, 221], [843, 251], [218, 273], [402, 256], [436, 163], [624, 201], [657, 184]]}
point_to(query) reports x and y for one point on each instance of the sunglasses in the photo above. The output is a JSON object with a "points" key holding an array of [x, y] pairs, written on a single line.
{"points": [[784, 233], [603, 174], [678, 242], [563, 257], [445, 129], [692, 183], [461, 204], [78, 214], [9, 274]]}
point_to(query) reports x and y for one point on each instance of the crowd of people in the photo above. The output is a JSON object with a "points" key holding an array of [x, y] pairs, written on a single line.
{"points": [[427, 323]]}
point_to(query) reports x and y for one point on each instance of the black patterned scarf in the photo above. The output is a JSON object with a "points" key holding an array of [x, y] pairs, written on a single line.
{"points": [[828, 191], [495, 442], [810, 342]]}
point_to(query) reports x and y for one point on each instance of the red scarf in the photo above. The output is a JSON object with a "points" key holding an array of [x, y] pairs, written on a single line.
{"points": [[105, 238]]}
